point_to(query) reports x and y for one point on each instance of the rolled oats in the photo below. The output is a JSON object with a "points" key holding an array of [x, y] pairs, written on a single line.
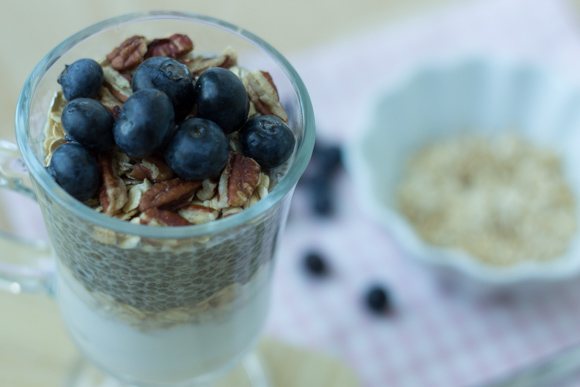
{"points": [[502, 200]]}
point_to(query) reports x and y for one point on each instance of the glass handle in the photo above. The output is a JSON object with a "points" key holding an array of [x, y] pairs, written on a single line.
{"points": [[13, 173], [25, 266]]}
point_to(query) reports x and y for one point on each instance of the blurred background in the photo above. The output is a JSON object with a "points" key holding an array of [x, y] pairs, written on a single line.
{"points": [[414, 329]]}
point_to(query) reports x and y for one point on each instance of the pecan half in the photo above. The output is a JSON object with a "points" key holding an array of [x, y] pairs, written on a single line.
{"points": [[135, 194], [173, 47], [231, 211], [198, 214], [129, 54], [157, 217], [153, 168], [263, 94], [198, 65], [238, 180], [169, 195], [117, 84], [113, 192], [110, 102]]}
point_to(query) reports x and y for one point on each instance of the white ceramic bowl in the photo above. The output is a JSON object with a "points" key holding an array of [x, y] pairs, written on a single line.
{"points": [[445, 98]]}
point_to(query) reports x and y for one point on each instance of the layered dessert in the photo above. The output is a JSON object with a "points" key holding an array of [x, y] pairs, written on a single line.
{"points": [[157, 135]]}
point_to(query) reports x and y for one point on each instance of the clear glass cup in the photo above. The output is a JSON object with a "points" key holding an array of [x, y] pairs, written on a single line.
{"points": [[152, 306]]}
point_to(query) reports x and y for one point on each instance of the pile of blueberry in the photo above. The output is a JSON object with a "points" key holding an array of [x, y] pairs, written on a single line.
{"points": [[153, 121]]}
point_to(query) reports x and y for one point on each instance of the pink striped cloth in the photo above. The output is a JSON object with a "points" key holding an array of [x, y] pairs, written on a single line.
{"points": [[434, 338]]}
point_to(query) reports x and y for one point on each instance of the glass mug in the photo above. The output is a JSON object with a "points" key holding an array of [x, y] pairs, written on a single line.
{"points": [[152, 306]]}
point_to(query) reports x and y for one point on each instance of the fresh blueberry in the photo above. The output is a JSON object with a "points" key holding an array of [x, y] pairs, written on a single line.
{"points": [[377, 299], [198, 150], [75, 170], [82, 79], [89, 123], [222, 98], [171, 77], [321, 191], [315, 264], [328, 157], [267, 140], [145, 123]]}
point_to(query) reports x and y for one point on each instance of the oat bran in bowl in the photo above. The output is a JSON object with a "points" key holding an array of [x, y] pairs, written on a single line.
{"points": [[444, 164]]}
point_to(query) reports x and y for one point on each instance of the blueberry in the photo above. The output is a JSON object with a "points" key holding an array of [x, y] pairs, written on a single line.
{"points": [[267, 140], [171, 77], [198, 150], [75, 170], [315, 264], [328, 157], [82, 79], [145, 123], [89, 123], [222, 98], [322, 195], [377, 299]]}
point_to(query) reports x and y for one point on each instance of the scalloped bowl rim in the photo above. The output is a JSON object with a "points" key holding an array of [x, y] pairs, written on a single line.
{"points": [[560, 268]]}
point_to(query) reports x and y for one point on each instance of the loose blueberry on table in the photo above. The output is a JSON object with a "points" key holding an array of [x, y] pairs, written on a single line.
{"points": [[315, 264], [377, 299], [319, 178]]}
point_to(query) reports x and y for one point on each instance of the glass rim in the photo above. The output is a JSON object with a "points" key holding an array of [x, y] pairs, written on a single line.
{"points": [[56, 193]]}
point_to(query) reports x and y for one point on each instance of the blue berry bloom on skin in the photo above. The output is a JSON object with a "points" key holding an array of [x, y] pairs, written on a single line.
{"points": [[82, 79], [222, 98], [169, 76], [75, 170], [198, 150], [145, 123], [89, 123], [267, 140]]}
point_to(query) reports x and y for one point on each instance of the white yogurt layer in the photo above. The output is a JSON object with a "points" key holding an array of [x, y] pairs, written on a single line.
{"points": [[172, 355]]}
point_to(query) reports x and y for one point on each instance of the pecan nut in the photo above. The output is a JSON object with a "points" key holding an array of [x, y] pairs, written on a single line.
{"points": [[169, 195], [117, 84], [174, 47], [153, 168], [238, 180], [198, 214], [113, 192], [263, 94], [157, 217], [207, 190], [129, 54], [231, 211], [197, 66]]}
